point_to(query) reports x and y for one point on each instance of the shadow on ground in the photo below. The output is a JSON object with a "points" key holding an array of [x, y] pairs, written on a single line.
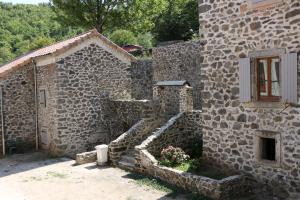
{"points": [[18, 163]]}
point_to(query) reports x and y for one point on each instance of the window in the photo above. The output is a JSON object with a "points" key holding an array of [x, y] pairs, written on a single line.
{"points": [[43, 98], [268, 79], [269, 76], [268, 148]]}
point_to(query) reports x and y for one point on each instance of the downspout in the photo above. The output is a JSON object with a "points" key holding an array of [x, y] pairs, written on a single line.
{"points": [[36, 106], [2, 122]]}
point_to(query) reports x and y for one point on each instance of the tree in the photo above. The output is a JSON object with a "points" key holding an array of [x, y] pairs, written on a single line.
{"points": [[40, 42], [178, 22], [123, 37], [26, 27], [90, 13]]}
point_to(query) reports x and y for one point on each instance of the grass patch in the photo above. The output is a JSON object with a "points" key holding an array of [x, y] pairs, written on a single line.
{"points": [[157, 184]]}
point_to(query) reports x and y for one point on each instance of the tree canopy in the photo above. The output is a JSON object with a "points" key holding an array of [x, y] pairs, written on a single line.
{"points": [[27, 27], [90, 13]]}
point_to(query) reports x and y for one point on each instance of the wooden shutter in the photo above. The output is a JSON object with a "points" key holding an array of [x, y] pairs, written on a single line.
{"points": [[289, 77], [244, 76]]}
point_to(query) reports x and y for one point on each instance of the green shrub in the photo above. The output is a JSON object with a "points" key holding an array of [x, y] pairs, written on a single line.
{"points": [[123, 37], [172, 156], [145, 40]]}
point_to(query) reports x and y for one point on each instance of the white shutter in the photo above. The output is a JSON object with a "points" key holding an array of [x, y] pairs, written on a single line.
{"points": [[289, 77], [244, 78]]}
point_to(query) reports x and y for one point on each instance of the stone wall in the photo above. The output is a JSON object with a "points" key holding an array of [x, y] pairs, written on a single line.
{"points": [[46, 76], [168, 98], [230, 31], [179, 61], [180, 131], [19, 109], [123, 114], [142, 79], [232, 187], [84, 80]]}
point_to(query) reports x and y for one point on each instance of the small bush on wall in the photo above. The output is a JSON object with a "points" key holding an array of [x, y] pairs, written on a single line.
{"points": [[172, 156]]}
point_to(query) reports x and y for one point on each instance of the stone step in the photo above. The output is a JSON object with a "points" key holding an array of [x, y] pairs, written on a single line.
{"points": [[126, 165], [127, 158]]}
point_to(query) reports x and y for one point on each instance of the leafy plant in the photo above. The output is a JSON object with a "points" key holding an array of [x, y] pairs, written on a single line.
{"points": [[145, 40], [172, 156], [123, 37]]}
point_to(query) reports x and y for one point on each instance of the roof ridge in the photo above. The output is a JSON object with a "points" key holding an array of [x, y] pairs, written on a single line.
{"points": [[60, 47]]}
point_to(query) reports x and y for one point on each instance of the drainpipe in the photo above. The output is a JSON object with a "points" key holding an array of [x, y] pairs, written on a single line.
{"points": [[36, 106], [2, 121]]}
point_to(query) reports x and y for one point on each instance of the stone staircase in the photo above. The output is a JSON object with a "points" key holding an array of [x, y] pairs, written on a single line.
{"points": [[121, 151], [127, 160]]}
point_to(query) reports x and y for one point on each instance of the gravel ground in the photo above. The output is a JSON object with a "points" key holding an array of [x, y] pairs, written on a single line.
{"points": [[35, 177]]}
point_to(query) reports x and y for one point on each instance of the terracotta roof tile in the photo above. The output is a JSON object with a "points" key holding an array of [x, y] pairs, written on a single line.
{"points": [[58, 48]]}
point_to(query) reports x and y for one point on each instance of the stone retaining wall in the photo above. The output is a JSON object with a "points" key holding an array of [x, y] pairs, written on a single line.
{"points": [[180, 131], [226, 189]]}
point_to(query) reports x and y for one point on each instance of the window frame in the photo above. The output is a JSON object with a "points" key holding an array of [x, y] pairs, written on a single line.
{"points": [[259, 135], [268, 98]]}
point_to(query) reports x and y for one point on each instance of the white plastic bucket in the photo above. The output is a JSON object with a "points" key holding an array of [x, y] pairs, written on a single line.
{"points": [[101, 154]]}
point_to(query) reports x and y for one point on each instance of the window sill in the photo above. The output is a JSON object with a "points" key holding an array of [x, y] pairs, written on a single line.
{"points": [[262, 104], [269, 163]]}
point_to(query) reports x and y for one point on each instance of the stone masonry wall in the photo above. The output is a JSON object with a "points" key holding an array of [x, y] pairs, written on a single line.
{"points": [[230, 32], [47, 122], [179, 61], [180, 131], [142, 79], [19, 109], [83, 78], [123, 114]]}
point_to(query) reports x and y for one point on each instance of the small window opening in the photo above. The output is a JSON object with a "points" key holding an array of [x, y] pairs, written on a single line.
{"points": [[268, 149], [43, 98]]}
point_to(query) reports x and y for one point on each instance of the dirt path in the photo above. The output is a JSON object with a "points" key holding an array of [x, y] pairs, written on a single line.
{"points": [[34, 177]]}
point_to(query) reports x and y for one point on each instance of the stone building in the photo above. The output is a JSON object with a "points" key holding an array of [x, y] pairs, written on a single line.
{"points": [[251, 88], [57, 98]]}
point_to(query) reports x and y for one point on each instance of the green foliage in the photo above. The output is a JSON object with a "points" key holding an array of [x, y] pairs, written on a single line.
{"points": [[178, 22], [41, 42], [93, 13], [145, 40], [172, 156], [123, 37], [21, 25]]}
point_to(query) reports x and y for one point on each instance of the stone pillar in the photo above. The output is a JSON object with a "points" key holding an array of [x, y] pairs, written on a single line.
{"points": [[186, 99]]}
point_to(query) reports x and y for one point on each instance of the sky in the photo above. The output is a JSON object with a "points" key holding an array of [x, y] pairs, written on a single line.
{"points": [[25, 1]]}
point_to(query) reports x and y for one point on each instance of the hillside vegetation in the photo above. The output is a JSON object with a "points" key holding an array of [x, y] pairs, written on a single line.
{"points": [[27, 27]]}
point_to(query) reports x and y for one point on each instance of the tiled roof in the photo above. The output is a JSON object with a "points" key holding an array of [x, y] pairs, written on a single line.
{"points": [[58, 48]]}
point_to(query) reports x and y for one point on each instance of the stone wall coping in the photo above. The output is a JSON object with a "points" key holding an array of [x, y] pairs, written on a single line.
{"points": [[172, 83], [132, 100], [131, 130]]}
